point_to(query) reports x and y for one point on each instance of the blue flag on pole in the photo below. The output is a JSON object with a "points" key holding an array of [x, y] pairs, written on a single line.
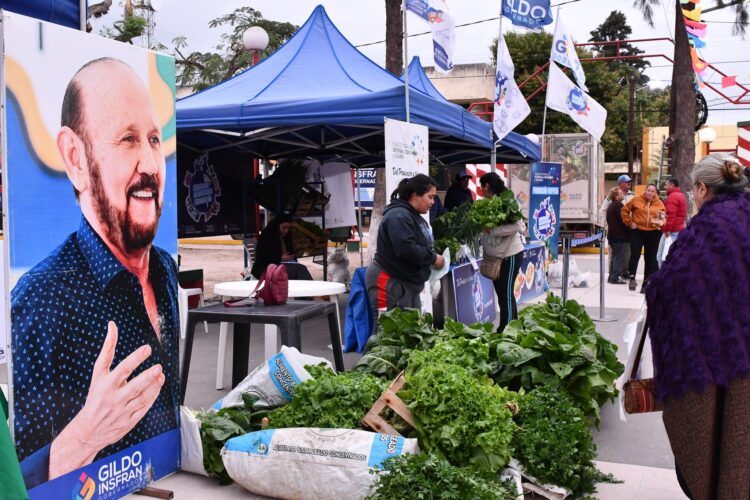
{"points": [[529, 14]]}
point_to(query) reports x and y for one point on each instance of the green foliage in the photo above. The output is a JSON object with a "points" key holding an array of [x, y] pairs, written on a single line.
{"points": [[457, 416], [471, 354], [454, 228], [495, 211], [329, 400], [204, 69], [279, 189], [556, 344], [426, 476], [554, 443], [616, 27], [126, 29], [399, 333], [218, 427]]}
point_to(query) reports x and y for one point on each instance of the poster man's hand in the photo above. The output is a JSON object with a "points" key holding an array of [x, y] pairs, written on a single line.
{"points": [[113, 407]]}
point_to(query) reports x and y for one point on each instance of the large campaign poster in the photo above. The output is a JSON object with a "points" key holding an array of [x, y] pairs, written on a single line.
{"points": [[544, 205], [89, 184], [210, 193]]}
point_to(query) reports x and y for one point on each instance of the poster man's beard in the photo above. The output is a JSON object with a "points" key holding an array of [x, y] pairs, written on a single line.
{"points": [[118, 224]]}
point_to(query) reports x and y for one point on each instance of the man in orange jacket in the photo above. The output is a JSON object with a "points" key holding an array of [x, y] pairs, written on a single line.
{"points": [[644, 215]]}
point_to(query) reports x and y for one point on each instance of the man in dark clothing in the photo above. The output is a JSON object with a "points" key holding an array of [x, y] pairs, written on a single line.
{"points": [[436, 210], [617, 236], [458, 193]]}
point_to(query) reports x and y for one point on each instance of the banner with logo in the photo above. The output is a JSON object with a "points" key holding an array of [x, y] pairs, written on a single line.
{"points": [[564, 53], [443, 26], [564, 96], [544, 205], [4, 337], [573, 152], [406, 152], [363, 180], [474, 295], [531, 280], [89, 178], [210, 193], [529, 14], [510, 106], [337, 177]]}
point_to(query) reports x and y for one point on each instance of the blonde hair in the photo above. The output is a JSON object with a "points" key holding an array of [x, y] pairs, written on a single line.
{"points": [[720, 173], [615, 194]]}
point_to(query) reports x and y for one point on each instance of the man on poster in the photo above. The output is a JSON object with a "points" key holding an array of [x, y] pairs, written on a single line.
{"points": [[95, 324]]}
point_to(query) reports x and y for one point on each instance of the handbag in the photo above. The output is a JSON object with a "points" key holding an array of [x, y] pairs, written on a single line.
{"points": [[638, 394], [272, 288], [490, 267]]}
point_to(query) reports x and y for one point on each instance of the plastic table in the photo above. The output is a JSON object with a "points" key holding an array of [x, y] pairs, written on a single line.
{"points": [[297, 289], [288, 317]]}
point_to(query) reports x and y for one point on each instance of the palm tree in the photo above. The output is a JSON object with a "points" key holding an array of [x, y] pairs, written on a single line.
{"points": [[682, 99]]}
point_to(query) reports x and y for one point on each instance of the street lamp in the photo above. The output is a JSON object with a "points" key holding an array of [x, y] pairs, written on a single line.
{"points": [[255, 38]]}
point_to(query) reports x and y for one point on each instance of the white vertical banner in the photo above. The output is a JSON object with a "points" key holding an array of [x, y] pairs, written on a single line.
{"points": [[406, 155], [3, 320], [510, 106], [406, 152], [443, 26], [564, 96], [340, 210], [564, 53]]}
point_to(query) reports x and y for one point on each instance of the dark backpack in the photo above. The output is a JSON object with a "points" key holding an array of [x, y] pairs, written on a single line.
{"points": [[275, 283]]}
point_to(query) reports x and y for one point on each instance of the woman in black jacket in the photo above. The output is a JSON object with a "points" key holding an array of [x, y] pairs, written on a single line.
{"points": [[275, 247], [405, 250]]}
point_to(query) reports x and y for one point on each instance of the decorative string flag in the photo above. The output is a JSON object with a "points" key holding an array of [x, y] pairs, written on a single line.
{"points": [[564, 96], [510, 107], [728, 81], [443, 27], [564, 52], [696, 33]]}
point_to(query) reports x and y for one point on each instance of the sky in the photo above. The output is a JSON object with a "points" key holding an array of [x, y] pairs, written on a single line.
{"points": [[363, 22]]}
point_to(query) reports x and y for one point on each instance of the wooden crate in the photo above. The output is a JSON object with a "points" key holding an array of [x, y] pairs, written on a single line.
{"points": [[389, 399]]}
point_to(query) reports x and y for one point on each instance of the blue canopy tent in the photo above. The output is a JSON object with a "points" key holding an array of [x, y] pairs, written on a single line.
{"points": [[319, 96], [70, 13], [509, 146]]}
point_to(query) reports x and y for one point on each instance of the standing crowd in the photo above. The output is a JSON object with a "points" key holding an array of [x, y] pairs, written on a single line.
{"points": [[641, 224]]}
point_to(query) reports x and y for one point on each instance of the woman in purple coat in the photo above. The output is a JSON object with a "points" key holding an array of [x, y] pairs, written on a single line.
{"points": [[699, 325]]}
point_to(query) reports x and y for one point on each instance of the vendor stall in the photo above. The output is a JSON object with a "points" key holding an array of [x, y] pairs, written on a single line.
{"points": [[469, 297]]}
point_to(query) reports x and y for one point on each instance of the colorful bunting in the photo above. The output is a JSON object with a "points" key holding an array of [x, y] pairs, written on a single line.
{"points": [[696, 32], [728, 81]]}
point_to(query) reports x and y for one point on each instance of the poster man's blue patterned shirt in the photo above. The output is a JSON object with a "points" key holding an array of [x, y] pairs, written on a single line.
{"points": [[59, 315]]}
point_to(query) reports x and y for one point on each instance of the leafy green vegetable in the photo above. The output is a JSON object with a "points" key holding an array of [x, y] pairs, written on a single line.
{"points": [[399, 333], [458, 416], [495, 211], [556, 344], [471, 354], [431, 477], [554, 443], [218, 427], [329, 400], [454, 226], [452, 243]]}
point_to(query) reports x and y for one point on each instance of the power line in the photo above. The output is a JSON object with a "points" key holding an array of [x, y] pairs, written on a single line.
{"points": [[472, 23]]}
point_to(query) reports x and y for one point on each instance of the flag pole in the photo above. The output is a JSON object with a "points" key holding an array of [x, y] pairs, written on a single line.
{"points": [[406, 61], [544, 120], [493, 155]]}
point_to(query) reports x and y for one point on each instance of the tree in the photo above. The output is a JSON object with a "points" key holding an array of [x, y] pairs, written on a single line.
{"points": [[394, 62], [682, 99], [530, 51], [204, 69], [616, 27]]}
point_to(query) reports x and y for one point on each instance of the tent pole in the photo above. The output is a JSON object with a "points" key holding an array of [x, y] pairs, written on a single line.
{"points": [[82, 14], [406, 62], [493, 157]]}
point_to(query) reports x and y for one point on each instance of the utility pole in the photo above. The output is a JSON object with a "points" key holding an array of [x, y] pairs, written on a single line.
{"points": [[631, 124]]}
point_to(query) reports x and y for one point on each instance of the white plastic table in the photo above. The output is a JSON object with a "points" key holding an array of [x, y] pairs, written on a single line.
{"points": [[297, 289]]}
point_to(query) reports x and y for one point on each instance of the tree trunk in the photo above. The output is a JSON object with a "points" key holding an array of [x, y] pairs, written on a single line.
{"points": [[394, 62], [682, 106]]}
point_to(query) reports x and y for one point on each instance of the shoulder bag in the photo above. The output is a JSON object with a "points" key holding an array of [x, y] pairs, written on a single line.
{"points": [[272, 288], [638, 394], [491, 266]]}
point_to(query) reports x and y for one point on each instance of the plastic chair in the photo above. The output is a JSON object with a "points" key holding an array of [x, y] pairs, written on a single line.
{"points": [[182, 301]]}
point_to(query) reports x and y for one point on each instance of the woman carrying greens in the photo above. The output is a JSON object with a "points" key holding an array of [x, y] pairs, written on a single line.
{"points": [[503, 252]]}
